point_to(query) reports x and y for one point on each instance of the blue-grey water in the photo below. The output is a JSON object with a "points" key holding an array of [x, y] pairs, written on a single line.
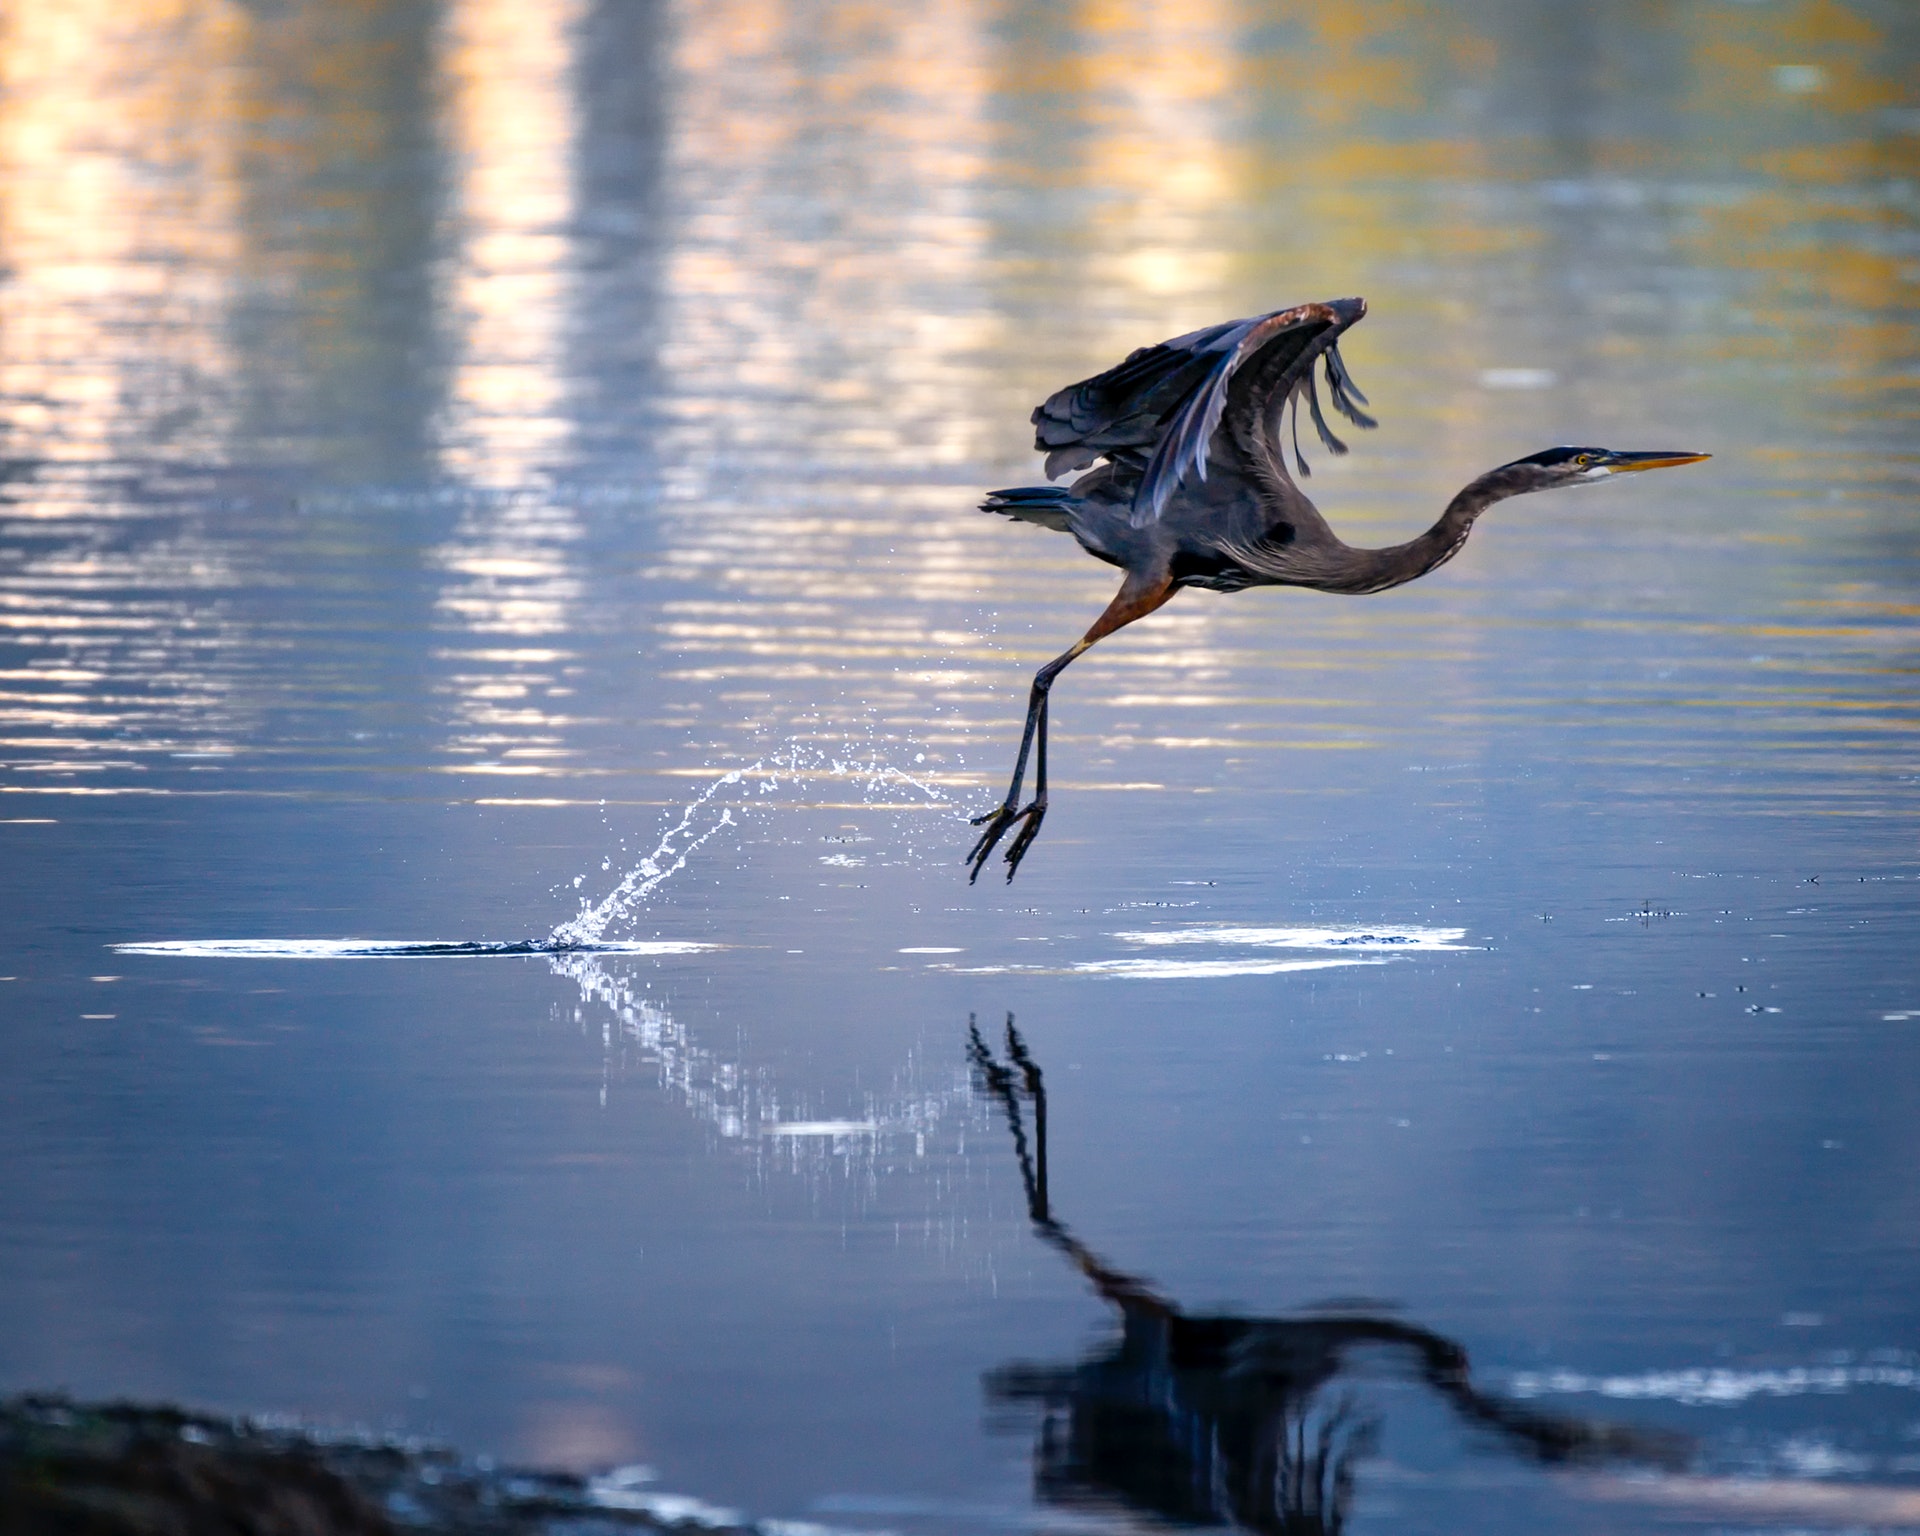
{"points": [[466, 466]]}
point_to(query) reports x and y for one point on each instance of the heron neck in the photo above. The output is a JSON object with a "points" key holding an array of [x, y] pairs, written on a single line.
{"points": [[1378, 569]]}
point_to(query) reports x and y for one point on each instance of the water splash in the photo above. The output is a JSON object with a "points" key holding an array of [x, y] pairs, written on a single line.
{"points": [[720, 805], [713, 810], [668, 858], [919, 1114]]}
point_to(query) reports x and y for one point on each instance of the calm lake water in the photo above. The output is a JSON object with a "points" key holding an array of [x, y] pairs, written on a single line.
{"points": [[453, 455]]}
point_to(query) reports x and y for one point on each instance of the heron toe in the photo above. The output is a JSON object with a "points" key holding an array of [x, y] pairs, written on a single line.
{"points": [[998, 820], [1032, 816]]}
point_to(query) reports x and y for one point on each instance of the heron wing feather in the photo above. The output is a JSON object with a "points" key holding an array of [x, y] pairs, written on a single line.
{"points": [[1157, 412], [1270, 361], [1122, 410]]}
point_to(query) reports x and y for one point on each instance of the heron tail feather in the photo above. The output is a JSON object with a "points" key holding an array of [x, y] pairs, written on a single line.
{"points": [[1048, 505]]}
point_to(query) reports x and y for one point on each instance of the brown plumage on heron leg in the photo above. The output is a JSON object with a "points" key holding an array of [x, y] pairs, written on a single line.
{"points": [[1188, 485]]}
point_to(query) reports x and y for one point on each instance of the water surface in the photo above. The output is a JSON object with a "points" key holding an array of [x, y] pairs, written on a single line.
{"points": [[502, 474]]}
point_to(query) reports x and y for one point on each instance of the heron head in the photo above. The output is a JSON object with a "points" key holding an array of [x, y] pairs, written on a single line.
{"points": [[1586, 466]]}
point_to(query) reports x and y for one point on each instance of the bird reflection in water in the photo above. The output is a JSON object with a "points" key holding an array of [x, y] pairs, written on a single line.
{"points": [[1239, 1421]]}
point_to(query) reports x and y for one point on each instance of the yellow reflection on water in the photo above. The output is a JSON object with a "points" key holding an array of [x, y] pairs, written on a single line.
{"points": [[885, 232], [1165, 80], [511, 120], [119, 225], [120, 231], [827, 328], [827, 251], [511, 123]]}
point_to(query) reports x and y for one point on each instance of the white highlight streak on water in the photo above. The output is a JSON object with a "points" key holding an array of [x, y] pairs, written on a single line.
{"points": [[1401, 938], [823, 1128], [1180, 970], [1701, 1386], [367, 949]]}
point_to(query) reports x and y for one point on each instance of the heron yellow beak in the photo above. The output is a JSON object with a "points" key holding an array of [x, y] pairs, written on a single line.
{"points": [[1661, 458]]}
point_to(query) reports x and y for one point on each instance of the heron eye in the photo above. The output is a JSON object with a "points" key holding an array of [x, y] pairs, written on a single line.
{"points": [[1583, 458]]}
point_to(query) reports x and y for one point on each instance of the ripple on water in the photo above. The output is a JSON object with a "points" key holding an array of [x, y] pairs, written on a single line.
{"points": [[1181, 970], [1379, 943], [1379, 937], [400, 949]]}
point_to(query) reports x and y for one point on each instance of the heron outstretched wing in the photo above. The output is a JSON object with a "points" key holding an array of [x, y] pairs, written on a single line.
{"points": [[1161, 407]]}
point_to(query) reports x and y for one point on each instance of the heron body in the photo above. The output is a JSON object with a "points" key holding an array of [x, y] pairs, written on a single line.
{"points": [[1188, 484]]}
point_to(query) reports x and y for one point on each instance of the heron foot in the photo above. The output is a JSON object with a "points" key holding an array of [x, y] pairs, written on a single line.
{"points": [[996, 822], [999, 821], [1031, 818]]}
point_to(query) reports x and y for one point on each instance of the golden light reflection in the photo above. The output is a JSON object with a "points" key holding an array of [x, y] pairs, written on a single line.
{"points": [[1164, 83], [119, 129], [511, 121], [828, 327], [884, 233], [1832, 266], [511, 124], [120, 234], [855, 290]]}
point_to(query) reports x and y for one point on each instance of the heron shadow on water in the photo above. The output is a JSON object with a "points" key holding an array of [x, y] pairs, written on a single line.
{"points": [[1239, 1421], [1188, 484]]}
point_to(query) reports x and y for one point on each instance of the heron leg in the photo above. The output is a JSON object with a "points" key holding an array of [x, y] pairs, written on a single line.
{"points": [[1003, 816], [1137, 597], [1036, 809]]}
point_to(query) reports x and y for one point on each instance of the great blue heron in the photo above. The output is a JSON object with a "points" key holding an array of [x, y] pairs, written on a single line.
{"points": [[1196, 492], [1219, 1420]]}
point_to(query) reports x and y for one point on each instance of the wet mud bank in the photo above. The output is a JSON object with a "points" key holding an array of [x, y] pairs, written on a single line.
{"points": [[130, 1469]]}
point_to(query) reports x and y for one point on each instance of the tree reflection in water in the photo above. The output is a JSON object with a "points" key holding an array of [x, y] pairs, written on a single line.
{"points": [[1241, 1421]]}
